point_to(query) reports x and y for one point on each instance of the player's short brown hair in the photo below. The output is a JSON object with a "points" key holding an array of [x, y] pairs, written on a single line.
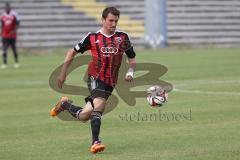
{"points": [[111, 10]]}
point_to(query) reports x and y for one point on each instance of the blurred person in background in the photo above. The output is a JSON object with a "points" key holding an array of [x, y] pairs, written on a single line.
{"points": [[10, 24]]}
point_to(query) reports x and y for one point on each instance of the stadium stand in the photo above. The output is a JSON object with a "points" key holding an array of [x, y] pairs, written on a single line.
{"points": [[59, 23], [126, 23], [213, 22]]}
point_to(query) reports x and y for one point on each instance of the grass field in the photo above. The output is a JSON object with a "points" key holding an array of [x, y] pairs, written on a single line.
{"points": [[206, 99]]}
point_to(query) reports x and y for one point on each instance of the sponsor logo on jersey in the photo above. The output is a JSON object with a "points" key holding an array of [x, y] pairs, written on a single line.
{"points": [[118, 39], [109, 50]]}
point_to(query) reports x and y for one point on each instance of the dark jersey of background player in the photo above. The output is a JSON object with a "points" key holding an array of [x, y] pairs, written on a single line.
{"points": [[10, 23], [106, 54]]}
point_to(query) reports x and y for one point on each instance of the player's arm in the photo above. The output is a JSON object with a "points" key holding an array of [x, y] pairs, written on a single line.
{"points": [[131, 59], [16, 27], [130, 73], [81, 47], [132, 64], [17, 23], [1, 26], [67, 62]]}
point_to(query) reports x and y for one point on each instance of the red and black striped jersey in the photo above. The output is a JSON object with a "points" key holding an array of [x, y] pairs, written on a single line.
{"points": [[9, 23], [107, 52]]}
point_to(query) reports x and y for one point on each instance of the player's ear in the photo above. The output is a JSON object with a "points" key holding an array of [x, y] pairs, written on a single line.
{"points": [[103, 20]]}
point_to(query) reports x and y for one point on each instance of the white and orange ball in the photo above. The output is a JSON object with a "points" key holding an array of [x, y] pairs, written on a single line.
{"points": [[156, 96]]}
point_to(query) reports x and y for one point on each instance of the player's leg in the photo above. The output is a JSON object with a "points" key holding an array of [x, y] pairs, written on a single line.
{"points": [[92, 110], [91, 102], [85, 114], [100, 95], [4, 49], [65, 104], [96, 115], [14, 50]]}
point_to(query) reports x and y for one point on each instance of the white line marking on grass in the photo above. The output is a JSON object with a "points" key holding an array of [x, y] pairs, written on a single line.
{"points": [[202, 81], [24, 82], [207, 92]]}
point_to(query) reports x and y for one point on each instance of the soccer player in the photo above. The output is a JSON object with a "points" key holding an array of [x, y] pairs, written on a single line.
{"points": [[107, 47], [10, 24]]}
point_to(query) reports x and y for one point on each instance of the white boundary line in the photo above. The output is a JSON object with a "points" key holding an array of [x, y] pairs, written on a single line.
{"points": [[207, 92], [191, 82]]}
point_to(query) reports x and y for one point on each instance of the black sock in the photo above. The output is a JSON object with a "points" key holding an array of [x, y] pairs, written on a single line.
{"points": [[4, 58], [95, 125], [72, 109], [14, 49]]}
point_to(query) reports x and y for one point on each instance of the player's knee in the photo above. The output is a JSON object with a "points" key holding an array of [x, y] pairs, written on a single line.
{"points": [[96, 116], [84, 118], [84, 121], [99, 104]]}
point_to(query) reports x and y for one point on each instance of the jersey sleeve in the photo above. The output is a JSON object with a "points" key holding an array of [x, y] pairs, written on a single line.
{"points": [[129, 51], [1, 17], [83, 45], [17, 16]]}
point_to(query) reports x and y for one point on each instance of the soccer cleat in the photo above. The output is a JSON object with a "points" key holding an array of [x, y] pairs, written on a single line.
{"points": [[97, 147], [16, 65], [3, 66], [59, 108]]}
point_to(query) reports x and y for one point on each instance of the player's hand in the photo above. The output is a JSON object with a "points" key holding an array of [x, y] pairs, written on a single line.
{"points": [[60, 81], [128, 78]]}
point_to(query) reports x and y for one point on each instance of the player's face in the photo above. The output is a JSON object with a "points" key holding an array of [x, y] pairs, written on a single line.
{"points": [[110, 23]]}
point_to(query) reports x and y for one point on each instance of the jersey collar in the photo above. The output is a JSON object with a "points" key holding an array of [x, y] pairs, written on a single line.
{"points": [[108, 36]]}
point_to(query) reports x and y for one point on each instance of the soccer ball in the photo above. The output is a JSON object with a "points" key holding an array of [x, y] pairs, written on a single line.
{"points": [[156, 96]]}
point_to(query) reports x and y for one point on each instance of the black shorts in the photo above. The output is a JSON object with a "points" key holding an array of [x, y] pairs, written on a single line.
{"points": [[98, 88], [8, 41]]}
